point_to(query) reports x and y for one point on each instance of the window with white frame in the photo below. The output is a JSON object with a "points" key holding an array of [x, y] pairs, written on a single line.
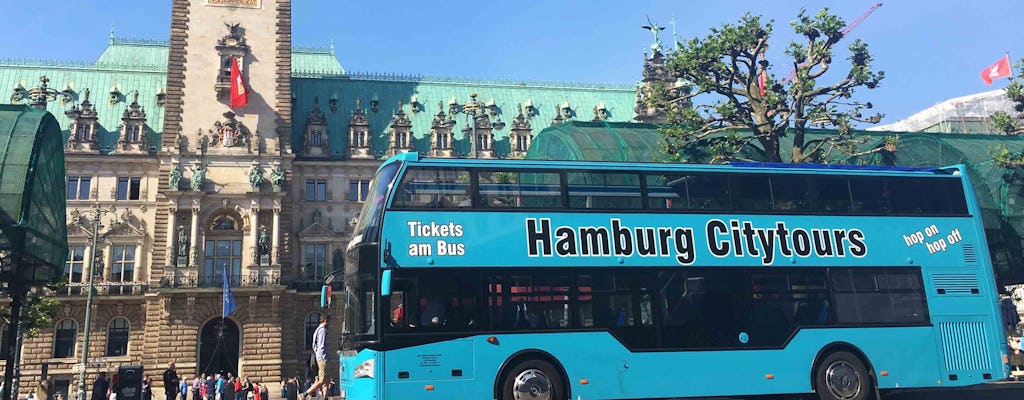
{"points": [[357, 189], [315, 259], [123, 268], [78, 187], [75, 264], [117, 337], [129, 188], [65, 338]]}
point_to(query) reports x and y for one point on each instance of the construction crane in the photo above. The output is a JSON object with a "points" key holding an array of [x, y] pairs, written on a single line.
{"points": [[849, 27]]}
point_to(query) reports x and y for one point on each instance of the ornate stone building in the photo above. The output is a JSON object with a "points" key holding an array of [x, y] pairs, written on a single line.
{"points": [[186, 187]]}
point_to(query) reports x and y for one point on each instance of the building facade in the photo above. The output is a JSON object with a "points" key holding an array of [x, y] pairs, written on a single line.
{"points": [[168, 186]]}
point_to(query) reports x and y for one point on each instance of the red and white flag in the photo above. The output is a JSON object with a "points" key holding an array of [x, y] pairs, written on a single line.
{"points": [[1001, 69], [239, 94]]}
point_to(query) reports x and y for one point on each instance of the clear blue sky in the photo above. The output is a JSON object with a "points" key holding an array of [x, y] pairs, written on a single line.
{"points": [[930, 50]]}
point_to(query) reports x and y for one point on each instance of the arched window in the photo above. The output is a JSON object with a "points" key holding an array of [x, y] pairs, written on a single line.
{"points": [[117, 337], [64, 339], [3, 340], [312, 322], [224, 222]]}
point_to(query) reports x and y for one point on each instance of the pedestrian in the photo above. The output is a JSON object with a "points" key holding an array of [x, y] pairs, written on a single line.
{"points": [[247, 389], [196, 387], [239, 394], [320, 353], [292, 392], [256, 393], [228, 388], [211, 388], [44, 389], [183, 388], [264, 392], [100, 387], [147, 388], [171, 381]]}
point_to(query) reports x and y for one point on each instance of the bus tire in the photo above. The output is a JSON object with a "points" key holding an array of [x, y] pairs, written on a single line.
{"points": [[843, 376], [532, 380]]}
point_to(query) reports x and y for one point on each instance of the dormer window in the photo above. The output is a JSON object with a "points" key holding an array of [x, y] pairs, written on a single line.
{"points": [[84, 122], [316, 127], [316, 137], [359, 133], [133, 126]]}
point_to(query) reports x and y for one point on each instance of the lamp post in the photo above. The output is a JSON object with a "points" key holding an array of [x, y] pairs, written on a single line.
{"points": [[97, 213], [475, 109]]}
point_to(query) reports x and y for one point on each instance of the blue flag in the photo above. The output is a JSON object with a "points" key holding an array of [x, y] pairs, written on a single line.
{"points": [[229, 300]]}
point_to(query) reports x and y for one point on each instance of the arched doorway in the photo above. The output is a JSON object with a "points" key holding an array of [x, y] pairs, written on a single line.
{"points": [[218, 347]]}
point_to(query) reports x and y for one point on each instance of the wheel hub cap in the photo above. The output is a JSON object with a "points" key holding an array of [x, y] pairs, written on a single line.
{"points": [[532, 384], [843, 380]]}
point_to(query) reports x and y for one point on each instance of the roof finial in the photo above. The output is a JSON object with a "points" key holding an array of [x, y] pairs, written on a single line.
{"points": [[675, 39], [111, 33], [332, 45]]}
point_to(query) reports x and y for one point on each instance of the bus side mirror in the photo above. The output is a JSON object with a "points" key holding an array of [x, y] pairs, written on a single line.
{"points": [[385, 283], [325, 296]]}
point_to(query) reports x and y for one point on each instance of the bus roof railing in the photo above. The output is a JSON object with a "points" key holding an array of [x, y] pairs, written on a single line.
{"points": [[748, 164]]}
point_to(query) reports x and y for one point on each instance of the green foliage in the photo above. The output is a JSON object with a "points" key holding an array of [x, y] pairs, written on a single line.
{"points": [[1005, 158], [38, 311], [737, 120]]}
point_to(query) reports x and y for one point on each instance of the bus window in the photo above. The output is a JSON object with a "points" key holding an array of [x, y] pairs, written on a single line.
{"points": [[440, 300], [702, 309], [870, 195], [520, 189], [433, 188], [782, 300], [832, 195], [928, 196], [528, 302], [789, 193], [709, 192], [879, 296], [604, 190], [619, 301], [667, 191], [751, 193]]}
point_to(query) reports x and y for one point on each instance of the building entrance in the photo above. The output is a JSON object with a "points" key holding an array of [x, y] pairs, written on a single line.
{"points": [[218, 347]]}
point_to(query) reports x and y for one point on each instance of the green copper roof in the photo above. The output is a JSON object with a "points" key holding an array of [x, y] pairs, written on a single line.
{"points": [[315, 60], [32, 196], [389, 90], [123, 53]]}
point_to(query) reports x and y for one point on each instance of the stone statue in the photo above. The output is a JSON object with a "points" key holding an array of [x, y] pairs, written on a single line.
{"points": [[263, 244], [182, 242], [277, 177], [198, 177], [256, 177], [175, 179]]}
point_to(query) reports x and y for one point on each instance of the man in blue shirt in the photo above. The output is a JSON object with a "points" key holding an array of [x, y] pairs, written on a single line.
{"points": [[320, 351]]}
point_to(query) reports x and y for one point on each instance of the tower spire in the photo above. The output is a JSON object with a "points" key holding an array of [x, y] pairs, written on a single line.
{"points": [[111, 33]]}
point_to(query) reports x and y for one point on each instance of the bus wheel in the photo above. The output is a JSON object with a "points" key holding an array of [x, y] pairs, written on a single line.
{"points": [[532, 380], [842, 376]]}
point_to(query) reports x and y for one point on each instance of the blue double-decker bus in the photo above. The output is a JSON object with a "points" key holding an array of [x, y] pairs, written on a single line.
{"points": [[495, 279]]}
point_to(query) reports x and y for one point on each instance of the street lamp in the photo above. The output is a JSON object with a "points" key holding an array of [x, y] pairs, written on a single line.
{"points": [[475, 110], [97, 213]]}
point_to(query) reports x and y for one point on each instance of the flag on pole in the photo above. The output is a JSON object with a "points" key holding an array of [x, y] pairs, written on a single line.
{"points": [[239, 94], [1001, 69], [229, 300]]}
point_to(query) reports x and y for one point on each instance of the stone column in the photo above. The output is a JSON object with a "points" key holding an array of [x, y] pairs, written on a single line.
{"points": [[254, 235], [275, 237], [193, 249], [172, 233]]}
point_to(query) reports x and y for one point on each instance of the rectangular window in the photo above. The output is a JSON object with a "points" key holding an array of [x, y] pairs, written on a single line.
{"points": [[434, 188], [604, 190], [789, 193], [78, 187], [935, 196], [434, 301], [879, 296], [129, 188], [75, 263], [782, 300], [316, 190], [520, 189], [619, 301], [357, 189], [832, 195], [124, 264], [221, 255], [315, 260], [702, 308], [528, 302]]}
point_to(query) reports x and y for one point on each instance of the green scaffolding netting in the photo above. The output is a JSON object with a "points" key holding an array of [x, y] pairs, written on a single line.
{"points": [[1000, 192], [32, 195]]}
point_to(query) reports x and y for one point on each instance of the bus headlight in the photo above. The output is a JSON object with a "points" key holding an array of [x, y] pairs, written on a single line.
{"points": [[364, 370]]}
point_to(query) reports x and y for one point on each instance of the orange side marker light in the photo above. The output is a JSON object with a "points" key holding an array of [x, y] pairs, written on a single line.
{"points": [[429, 387], [769, 376], [584, 381], [885, 373], [492, 340]]}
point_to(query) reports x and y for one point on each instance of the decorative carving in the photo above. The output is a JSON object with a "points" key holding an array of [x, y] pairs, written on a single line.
{"points": [[84, 122], [332, 103], [400, 132], [230, 46], [255, 177], [182, 250], [263, 246], [127, 224], [359, 145], [441, 134], [230, 132], [520, 135], [600, 112], [133, 126], [40, 95], [558, 116], [198, 177], [68, 94], [316, 131], [18, 93]]}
